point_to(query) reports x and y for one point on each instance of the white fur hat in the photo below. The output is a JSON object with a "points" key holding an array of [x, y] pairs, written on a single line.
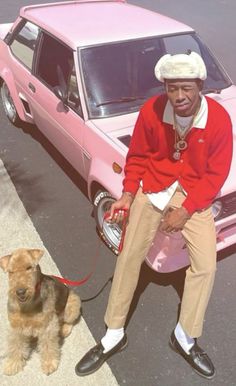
{"points": [[180, 66]]}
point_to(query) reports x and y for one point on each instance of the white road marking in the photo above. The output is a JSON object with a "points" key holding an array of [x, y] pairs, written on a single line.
{"points": [[17, 230]]}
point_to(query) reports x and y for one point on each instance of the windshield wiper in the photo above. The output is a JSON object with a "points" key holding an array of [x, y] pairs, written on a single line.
{"points": [[120, 100], [211, 91]]}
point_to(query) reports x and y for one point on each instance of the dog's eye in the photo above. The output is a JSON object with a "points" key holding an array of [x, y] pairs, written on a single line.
{"points": [[29, 268]]}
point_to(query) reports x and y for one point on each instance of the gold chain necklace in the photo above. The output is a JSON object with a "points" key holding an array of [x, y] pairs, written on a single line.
{"points": [[180, 143]]}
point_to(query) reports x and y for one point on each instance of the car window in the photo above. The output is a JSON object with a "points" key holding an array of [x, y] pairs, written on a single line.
{"points": [[73, 92], [119, 77], [24, 42], [177, 43], [216, 77], [55, 67]]}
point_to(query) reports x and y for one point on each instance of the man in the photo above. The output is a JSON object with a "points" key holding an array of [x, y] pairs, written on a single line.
{"points": [[179, 158]]}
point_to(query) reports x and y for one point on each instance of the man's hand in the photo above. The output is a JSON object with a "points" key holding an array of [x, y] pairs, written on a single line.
{"points": [[174, 220], [121, 206]]}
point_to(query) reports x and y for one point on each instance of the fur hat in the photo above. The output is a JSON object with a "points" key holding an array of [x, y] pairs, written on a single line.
{"points": [[180, 66]]}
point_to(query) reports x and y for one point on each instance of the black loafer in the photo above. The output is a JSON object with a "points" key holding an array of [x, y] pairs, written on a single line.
{"points": [[95, 357], [197, 358]]}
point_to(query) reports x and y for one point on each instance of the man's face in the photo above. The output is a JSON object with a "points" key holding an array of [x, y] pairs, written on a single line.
{"points": [[183, 95]]}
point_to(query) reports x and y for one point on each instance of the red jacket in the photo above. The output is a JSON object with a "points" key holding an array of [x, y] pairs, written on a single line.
{"points": [[203, 167]]}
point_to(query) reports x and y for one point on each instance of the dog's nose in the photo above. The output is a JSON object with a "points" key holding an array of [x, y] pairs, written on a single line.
{"points": [[20, 292]]}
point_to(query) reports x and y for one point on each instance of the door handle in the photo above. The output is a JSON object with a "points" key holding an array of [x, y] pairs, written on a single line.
{"points": [[31, 87]]}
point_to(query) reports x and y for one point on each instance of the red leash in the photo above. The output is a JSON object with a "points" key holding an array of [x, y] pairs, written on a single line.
{"points": [[86, 278], [73, 283]]}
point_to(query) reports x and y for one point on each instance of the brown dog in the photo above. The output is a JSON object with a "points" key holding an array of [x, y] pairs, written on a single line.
{"points": [[39, 306]]}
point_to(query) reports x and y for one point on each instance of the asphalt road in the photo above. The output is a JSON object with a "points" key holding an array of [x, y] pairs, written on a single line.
{"points": [[54, 197]]}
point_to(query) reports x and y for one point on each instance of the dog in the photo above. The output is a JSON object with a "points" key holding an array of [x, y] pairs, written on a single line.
{"points": [[39, 306]]}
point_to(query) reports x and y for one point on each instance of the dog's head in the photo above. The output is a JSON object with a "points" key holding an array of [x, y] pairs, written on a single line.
{"points": [[23, 272]]}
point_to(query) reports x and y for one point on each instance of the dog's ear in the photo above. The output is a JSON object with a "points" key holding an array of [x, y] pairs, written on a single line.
{"points": [[36, 254], [4, 261]]}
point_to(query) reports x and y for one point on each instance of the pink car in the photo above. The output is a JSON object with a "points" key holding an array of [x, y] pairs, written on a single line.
{"points": [[80, 71]]}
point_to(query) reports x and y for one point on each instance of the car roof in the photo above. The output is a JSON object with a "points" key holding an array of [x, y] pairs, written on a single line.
{"points": [[88, 22]]}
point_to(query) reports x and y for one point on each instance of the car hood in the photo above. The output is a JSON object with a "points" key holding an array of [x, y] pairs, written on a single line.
{"points": [[227, 98], [119, 129]]}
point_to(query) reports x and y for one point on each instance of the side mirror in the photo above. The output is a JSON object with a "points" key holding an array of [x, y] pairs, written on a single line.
{"points": [[60, 93], [62, 96]]}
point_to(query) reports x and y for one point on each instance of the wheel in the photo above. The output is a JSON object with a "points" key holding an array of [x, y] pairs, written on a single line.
{"points": [[9, 106], [110, 233]]}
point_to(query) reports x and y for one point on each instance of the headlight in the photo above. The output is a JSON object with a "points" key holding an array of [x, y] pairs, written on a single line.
{"points": [[217, 209]]}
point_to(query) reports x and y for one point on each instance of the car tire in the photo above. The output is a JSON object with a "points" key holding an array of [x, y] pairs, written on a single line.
{"points": [[9, 106], [110, 233]]}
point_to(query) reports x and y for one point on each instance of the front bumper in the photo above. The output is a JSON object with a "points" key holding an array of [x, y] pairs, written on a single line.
{"points": [[169, 253]]}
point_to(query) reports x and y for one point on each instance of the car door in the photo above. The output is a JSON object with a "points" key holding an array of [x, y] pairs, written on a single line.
{"points": [[53, 66], [60, 120]]}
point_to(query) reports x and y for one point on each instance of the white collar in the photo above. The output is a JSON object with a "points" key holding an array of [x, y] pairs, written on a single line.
{"points": [[199, 121]]}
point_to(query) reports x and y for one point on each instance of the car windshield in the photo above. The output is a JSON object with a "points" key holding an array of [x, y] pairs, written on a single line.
{"points": [[119, 77]]}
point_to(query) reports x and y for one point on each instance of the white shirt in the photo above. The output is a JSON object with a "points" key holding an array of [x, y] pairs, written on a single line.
{"points": [[161, 199]]}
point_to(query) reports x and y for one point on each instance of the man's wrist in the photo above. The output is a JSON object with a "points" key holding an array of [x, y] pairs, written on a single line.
{"points": [[186, 211], [129, 194]]}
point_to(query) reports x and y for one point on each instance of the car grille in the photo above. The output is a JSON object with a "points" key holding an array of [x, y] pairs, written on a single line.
{"points": [[125, 139], [228, 205]]}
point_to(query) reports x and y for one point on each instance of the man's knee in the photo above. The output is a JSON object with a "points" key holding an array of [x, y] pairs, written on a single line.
{"points": [[204, 270]]}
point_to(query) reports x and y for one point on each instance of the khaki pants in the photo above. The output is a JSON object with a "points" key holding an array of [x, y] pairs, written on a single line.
{"points": [[200, 237]]}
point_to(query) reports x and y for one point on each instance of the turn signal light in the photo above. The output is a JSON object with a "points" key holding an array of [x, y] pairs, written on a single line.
{"points": [[116, 168]]}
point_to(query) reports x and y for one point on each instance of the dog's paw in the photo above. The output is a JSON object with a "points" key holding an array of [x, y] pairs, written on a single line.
{"points": [[50, 366], [66, 330], [12, 366]]}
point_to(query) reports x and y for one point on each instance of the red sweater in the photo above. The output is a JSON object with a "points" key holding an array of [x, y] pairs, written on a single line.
{"points": [[203, 167]]}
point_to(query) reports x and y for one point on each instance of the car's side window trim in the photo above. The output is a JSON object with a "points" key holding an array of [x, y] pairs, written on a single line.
{"points": [[13, 36]]}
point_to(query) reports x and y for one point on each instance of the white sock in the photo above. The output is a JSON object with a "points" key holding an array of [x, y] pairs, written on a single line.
{"points": [[185, 341], [112, 337]]}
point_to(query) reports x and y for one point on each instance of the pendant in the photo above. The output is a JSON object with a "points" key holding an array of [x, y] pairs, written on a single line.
{"points": [[176, 155], [181, 145]]}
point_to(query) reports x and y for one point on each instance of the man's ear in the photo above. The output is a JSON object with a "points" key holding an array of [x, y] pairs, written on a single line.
{"points": [[36, 254], [200, 84], [4, 261], [165, 85]]}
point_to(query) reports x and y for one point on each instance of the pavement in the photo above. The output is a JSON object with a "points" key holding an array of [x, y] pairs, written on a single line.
{"points": [[17, 230]]}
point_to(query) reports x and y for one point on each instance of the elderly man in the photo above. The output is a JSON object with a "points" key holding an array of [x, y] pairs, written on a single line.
{"points": [[178, 160]]}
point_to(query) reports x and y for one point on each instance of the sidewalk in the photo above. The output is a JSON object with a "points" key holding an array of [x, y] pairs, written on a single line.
{"points": [[17, 230]]}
